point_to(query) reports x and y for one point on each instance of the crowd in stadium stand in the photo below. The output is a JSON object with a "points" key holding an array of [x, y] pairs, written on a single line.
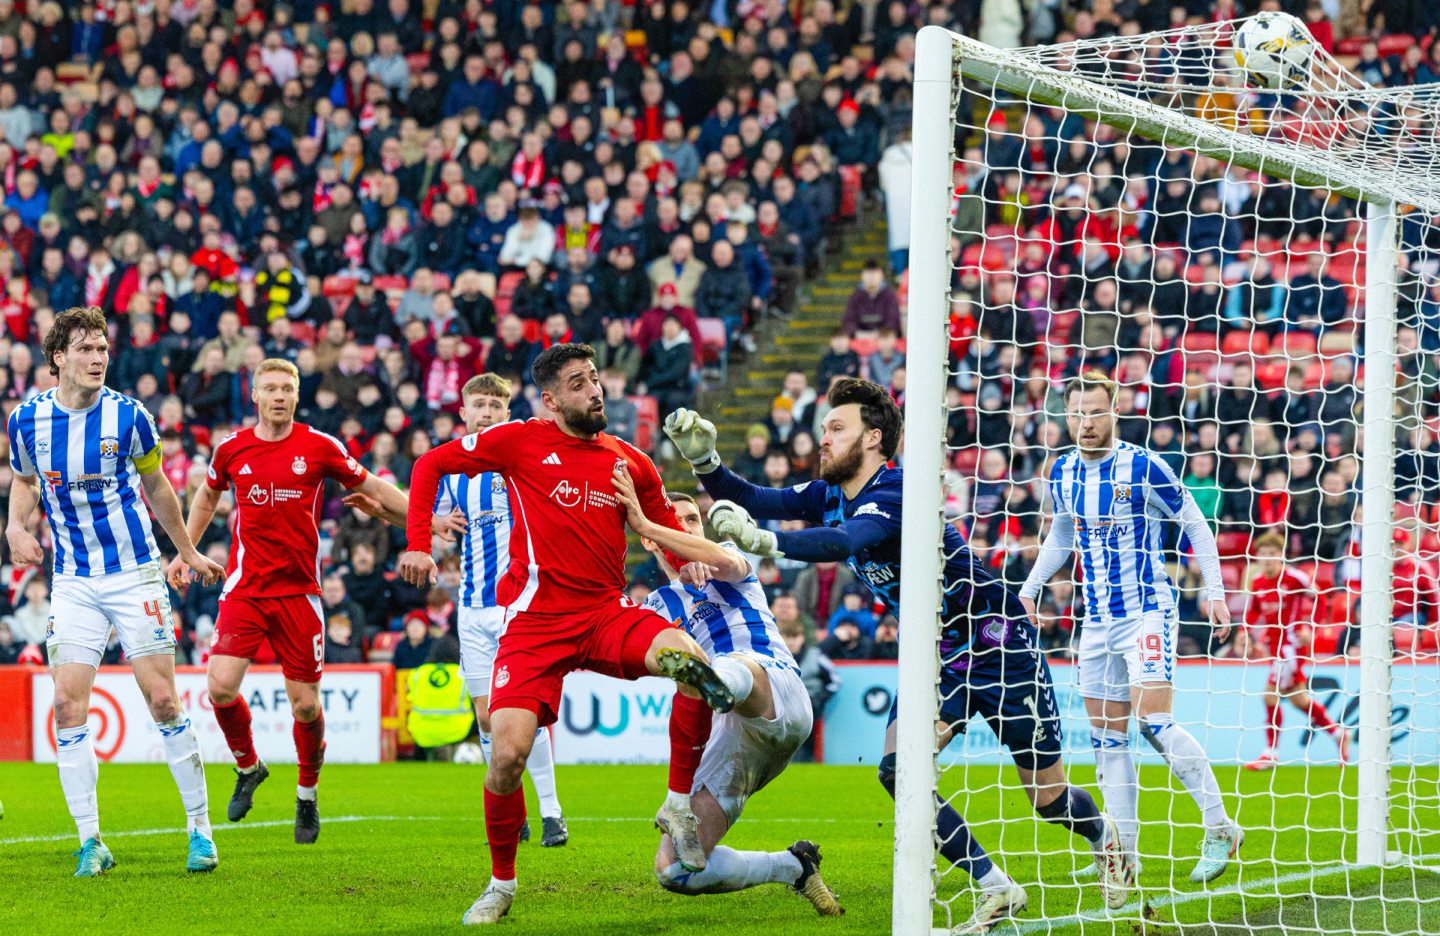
{"points": [[394, 194]]}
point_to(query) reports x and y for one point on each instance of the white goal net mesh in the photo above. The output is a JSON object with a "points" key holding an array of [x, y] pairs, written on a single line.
{"points": [[1134, 206]]}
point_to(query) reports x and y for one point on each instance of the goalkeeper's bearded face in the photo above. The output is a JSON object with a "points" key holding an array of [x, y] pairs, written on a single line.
{"points": [[842, 451]]}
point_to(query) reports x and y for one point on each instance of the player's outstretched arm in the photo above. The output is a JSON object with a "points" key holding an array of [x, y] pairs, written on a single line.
{"points": [[389, 502], [25, 549], [729, 565], [1058, 546], [166, 507], [202, 510], [694, 438], [481, 451]]}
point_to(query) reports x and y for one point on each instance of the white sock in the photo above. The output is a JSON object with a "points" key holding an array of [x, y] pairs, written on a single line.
{"points": [[541, 767], [252, 768], [994, 879], [506, 886], [677, 801], [1119, 784], [182, 750], [729, 870], [735, 675], [79, 775], [306, 792], [1188, 763], [485, 743]]}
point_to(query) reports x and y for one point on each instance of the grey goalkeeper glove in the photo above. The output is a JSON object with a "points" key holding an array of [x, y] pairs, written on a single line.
{"points": [[730, 519], [694, 437]]}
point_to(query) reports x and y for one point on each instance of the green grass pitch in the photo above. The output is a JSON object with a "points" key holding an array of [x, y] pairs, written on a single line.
{"points": [[402, 851]]}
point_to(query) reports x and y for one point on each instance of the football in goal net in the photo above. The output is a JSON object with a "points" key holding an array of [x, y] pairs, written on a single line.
{"points": [[1173, 372]]}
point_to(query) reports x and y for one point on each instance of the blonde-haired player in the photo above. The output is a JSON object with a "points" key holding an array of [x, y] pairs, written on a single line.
{"points": [[277, 470], [1110, 499], [95, 451]]}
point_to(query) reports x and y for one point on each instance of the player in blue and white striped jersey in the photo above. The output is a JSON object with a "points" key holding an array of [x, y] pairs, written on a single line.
{"points": [[480, 507], [1110, 499], [89, 452], [719, 602]]}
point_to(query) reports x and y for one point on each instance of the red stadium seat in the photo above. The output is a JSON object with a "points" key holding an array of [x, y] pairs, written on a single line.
{"points": [[441, 281], [382, 648], [1297, 344], [335, 286], [1246, 342], [1200, 341], [1233, 544], [713, 339], [863, 346], [532, 329], [647, 421], [965, 461], [303, 332]]}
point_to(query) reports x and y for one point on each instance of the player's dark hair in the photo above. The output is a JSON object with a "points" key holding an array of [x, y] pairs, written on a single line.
{"points": [[877, 409], [80, 320], [547, 367]]}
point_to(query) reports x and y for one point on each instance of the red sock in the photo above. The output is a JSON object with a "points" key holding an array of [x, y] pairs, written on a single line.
{"points": [[504, 815], [310, 749], [234, 719], [1320, 718], [690, 721], [1272, 726]]}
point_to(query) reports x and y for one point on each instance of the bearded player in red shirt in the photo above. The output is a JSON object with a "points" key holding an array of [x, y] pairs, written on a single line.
{"points": [[1281, 603], [564, 597], [272, 589]]}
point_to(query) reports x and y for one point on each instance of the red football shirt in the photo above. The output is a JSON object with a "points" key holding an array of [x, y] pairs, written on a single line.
{"points": [[567, 544], [1278, 608], [279, 487]]}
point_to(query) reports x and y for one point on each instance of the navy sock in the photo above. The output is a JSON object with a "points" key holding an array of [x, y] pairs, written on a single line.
{"points": [[1075, 810], [957, 844]]}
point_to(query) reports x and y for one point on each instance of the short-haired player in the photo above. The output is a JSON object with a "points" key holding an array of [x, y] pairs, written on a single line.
{"points": [[277, 470], [1278, 621], [89, 454], [722, 605]]}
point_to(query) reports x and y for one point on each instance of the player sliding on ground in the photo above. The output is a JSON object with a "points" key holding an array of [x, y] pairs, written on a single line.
{"points": [[478, 507], [1109, 499], [991, 663], [278, 470], [724, 608], [1281, 602], [564, 596], [96, 450]]}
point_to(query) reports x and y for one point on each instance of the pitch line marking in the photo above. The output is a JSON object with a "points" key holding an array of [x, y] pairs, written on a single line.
{"points": [[1249, 889], [270, 823]]}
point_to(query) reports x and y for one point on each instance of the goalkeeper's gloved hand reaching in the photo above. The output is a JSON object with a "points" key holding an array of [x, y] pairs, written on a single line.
{"points": [[730, 519], [694, 438]]}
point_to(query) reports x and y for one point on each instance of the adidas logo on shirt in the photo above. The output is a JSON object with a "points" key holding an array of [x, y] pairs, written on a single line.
{"points": [[551, 459], [245, 470]]}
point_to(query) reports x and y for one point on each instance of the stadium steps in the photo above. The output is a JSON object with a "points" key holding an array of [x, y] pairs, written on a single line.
{"points": [[796, 341]]}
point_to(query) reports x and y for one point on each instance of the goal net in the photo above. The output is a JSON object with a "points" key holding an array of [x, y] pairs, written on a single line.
{"points": [[1258, 271]]}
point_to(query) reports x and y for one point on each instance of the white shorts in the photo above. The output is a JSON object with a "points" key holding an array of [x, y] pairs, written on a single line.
{"points": [[479, 630], [1116, 655], [744, 754], [84, 608]]}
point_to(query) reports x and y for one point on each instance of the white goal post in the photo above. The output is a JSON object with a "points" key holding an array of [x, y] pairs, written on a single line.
{"points": [[1391, 166]]}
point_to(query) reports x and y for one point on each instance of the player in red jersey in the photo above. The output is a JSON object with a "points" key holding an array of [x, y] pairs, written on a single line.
{"points": [[278, 469], [1282, 601], [564, 595]]}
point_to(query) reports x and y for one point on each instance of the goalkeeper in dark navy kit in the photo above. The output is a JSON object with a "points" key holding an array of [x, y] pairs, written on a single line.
{"points": [[991, 664]]}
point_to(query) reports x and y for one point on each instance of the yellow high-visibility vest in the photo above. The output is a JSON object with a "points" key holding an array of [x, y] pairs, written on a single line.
{"points": [[440, 711]]}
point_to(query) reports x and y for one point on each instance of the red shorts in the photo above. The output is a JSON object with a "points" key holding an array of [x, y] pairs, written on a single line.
{"points": [[293, 625], [537, 650], [1287, 674]]}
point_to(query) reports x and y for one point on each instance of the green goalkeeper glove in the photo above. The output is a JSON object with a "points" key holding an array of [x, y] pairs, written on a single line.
{"points": [[694, 437], [730, 519]]}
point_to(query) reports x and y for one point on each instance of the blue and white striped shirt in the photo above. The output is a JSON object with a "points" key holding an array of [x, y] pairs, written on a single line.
{"points": [[1110, 512], [724, 617], [485, 550], [89, 463]]}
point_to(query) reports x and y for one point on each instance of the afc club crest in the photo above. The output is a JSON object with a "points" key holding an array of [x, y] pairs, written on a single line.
{"points": [[298, 465], [109, 447]]}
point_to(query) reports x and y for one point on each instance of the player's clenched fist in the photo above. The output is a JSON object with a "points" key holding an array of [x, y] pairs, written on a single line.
{"points": [[730, 519], [417, 568], [694, 437]]}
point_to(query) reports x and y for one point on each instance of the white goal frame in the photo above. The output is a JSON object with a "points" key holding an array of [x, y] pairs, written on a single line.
{"points": [[940, 55]]}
